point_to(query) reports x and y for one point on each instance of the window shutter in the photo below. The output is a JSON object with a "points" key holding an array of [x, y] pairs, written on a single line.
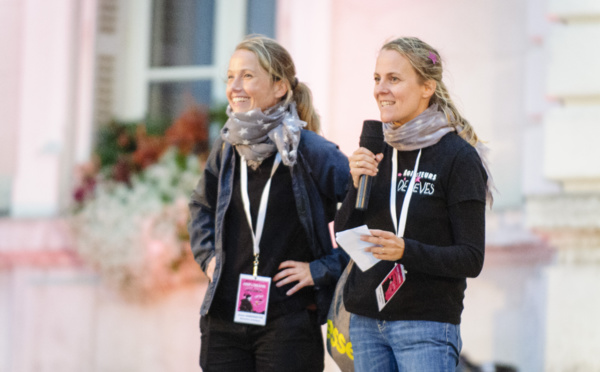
{"points": [[106, 60]]}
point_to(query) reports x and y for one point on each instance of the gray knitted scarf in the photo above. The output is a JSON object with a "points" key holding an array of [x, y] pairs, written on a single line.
{"points": [[426, 130], [257, 135]]}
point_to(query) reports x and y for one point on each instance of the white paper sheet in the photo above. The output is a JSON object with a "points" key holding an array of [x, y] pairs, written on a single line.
{"points": [[349, 240]]}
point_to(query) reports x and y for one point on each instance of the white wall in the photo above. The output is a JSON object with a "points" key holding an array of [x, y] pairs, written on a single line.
{"points": [[484, 45], [45, 105], [569, 220], [10, 15]]}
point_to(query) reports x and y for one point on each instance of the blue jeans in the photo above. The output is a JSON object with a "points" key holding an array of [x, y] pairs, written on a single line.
{"points": [[404, 346]]}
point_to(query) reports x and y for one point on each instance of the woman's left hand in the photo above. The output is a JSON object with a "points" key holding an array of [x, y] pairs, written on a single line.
{"points": [[294, 271], [386, 245]]}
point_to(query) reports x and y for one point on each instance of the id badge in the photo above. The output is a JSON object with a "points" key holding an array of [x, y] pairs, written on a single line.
{"points": [[252, 300], [389, 286]]}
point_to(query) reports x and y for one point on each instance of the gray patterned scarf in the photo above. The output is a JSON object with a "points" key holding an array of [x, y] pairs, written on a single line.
{"points": [[257, 135], [426, 130]]}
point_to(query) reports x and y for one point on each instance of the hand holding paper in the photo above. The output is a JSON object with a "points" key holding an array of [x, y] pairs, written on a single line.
{"points": [[350, 241]]}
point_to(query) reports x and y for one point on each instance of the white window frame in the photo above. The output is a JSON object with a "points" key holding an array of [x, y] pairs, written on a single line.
{"points": [[135, 73]]}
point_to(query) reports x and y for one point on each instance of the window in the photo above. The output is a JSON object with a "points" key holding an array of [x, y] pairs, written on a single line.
{"points": [[191, 41], [156, 58], [182, 36], [182, 33], [261, 17]]}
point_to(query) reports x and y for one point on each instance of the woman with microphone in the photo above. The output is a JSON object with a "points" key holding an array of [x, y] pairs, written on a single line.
{"points": [[426, 215]]}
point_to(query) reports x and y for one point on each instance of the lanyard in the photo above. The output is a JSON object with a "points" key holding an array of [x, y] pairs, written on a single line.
{"points": [[262, 209], [399, 226]]}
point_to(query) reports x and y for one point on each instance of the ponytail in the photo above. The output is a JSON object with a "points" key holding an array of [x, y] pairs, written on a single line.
{"points": [[304, 104]]}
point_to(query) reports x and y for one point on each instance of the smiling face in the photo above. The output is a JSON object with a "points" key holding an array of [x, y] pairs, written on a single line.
{"points": [[399, 93], [249, 86]]}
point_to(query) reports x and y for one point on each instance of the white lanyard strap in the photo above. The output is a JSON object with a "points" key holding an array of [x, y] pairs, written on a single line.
{"points": [[399, 226], [262, 209]]}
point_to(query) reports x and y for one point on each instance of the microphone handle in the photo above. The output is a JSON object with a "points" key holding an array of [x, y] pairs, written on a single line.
{"points": [[364, 190]]}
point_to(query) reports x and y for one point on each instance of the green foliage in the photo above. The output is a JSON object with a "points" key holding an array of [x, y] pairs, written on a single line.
{"points": [[113, 141], [218, 113]]}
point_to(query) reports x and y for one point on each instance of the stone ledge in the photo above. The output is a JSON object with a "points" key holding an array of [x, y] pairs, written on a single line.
{"points": [[574, 246], [34, 234], [574, 8], [579, 211], [40, 243], [526, 254], [508, 242], [40, 259]]}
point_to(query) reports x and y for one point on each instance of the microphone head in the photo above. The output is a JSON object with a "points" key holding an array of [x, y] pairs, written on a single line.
{"points": [[371, 136]]}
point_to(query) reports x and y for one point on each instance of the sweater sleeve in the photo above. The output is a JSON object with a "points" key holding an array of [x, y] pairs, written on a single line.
{"points": [[347, 216], [460, 260], [327, 270], [202, 207], [330, 172]]}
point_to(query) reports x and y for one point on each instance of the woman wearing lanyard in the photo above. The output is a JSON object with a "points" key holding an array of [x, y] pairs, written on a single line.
{"points": [[259, 221], [426, 216]]}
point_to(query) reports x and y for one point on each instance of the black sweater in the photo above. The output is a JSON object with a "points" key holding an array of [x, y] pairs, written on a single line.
{"points": [[283, 239], [444, 236]]}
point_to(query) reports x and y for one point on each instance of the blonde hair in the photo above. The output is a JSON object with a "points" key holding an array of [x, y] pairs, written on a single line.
{"points": [[427, 63], [276, 60]]}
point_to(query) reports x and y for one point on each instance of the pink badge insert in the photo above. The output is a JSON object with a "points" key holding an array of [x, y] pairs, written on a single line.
{"points": [[252, 300], [389, 286]]}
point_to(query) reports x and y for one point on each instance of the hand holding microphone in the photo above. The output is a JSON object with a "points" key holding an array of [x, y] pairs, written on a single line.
{"points": [[364, 161]]}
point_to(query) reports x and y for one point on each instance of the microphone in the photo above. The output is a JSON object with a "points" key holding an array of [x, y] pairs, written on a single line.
{"points": [[371, 138]]}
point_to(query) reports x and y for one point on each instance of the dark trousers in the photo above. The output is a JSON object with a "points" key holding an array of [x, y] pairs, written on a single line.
{"points": [[291, 342]]}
